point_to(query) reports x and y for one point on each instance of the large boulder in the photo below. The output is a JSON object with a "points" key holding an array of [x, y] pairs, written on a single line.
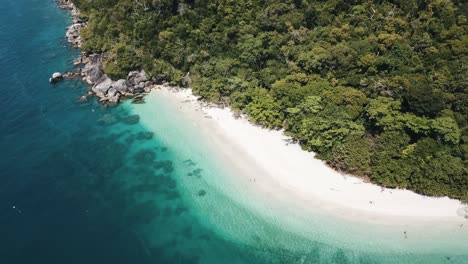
{"points": [[112, 92], [141, 77], [95, 58], [139, 88], [137, 77], [114, 99], [93, 72], [103, 86], [120, 86]]}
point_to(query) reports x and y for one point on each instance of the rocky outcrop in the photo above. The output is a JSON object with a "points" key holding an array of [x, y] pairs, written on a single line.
{"points": [[73, 31], [92, 71], [121, 86], [137, 77], [73, 34], [110, 91], [56, 76], [102, 86], [90, 68]]}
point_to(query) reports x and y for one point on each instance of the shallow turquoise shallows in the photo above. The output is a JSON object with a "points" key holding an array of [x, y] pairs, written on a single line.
{"points": [[81, 183]]}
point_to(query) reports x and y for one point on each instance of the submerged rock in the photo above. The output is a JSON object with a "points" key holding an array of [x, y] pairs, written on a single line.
{"points": [[166, 166], [107, 120], [144, 156], [145, 135], [201, 193], [190, 162], [131, 120], [196, 173], [138, 100], [139, 88]]}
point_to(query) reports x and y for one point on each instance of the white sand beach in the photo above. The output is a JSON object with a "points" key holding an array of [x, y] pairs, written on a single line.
{"points": [[284, 169]]}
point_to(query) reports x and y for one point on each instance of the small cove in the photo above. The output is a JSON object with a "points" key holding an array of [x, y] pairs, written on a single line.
{"points": [[82, 183]]}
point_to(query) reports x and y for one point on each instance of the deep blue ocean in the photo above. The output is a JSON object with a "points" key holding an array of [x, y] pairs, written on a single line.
{"points": [[83, 183], [56, 205], [80, 182]]}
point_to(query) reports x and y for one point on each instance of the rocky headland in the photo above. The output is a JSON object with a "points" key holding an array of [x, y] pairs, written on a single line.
{"points": [[89, 67]]}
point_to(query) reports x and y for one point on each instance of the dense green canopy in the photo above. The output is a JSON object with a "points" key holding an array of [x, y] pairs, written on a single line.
{"points": [[376, 88]]}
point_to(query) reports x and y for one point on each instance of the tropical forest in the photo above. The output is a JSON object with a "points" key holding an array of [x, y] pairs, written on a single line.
{"points": [[377, 89]]}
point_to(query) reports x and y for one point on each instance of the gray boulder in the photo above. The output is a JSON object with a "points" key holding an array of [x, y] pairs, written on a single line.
{"points": [[93, 72], [139, 88], [141, 77], [114, 99], [120, 86], [112, 92], [103, 86], [136, 77]]}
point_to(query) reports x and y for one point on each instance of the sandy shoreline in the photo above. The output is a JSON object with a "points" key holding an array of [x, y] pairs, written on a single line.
{"points": [[294, 170], [282, 167]]}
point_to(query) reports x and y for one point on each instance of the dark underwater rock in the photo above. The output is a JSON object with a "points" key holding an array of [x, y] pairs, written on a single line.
{"points": [[131, 120], [166, 166], [138, 100], [107, 120], [145, 135], [144, 156]]}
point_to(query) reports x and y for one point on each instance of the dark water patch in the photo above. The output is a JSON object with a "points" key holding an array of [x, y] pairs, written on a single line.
{"points": [[170, 182], [180, 209], [205, 237], [131, 120], [144, 135], [103, 155], [187, 231], [163, 149], [167, 212], [144, 157], [138, 100], [189, 162], [201, 193], [108, 120], [142, 213], [130, 139], [195, 172], [75, 187], [166, 166], [171, 195]]}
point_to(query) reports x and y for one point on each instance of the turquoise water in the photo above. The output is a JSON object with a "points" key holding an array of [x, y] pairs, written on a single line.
{"points": [[81, 183]]}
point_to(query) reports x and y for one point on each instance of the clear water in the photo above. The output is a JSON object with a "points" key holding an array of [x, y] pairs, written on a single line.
{"points": [[81, 183]]}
